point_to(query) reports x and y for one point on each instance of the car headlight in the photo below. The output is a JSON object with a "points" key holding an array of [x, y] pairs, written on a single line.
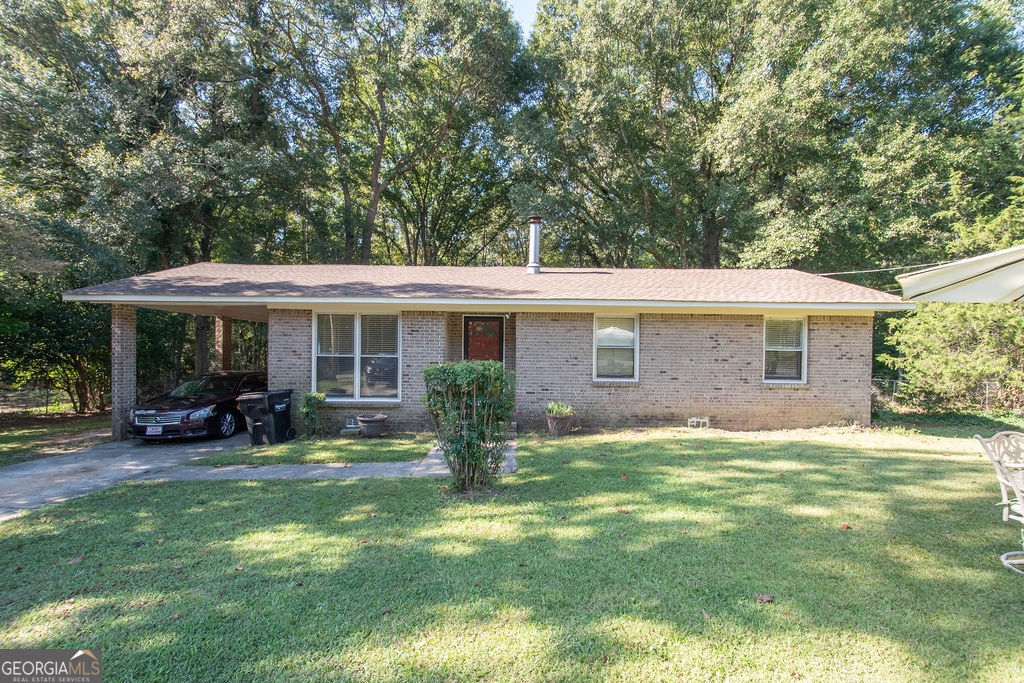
{"points": [[201, 414]]}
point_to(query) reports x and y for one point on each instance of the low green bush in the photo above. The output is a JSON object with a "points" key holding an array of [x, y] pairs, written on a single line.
{"points": [[309, 410], [559, 409], [472, 404], [948, 351]]}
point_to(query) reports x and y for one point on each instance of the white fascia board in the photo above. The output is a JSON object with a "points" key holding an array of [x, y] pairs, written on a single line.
{"points": [[489, 304]]}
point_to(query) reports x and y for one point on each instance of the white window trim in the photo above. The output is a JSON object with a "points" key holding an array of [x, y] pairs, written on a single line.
{"points": [[803, 349], [636, 352], [357, 343]]}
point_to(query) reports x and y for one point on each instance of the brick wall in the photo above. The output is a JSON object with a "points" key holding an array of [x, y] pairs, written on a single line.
{"points": [[423, 343], [690, 365], [510, 342], [695, 365], [453, 336], [222, 342], [122, 369], [290, 353], [290, 366]]}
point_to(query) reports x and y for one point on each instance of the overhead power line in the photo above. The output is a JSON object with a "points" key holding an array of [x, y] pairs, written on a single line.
{"points": [[882, 270]]}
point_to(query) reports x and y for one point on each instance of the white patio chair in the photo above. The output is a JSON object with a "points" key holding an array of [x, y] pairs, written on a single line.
{"points": [[1006, 451]]}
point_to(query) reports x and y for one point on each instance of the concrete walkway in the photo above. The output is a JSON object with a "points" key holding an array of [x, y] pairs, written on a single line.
{"points": [[30, 485], [33, 484], [430, 466]]}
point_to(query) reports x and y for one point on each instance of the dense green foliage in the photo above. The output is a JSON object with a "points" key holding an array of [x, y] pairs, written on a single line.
{"points": [[472, 404], [559, 409], [948, 351], [773, 133], [310, 405], [137, 135]]}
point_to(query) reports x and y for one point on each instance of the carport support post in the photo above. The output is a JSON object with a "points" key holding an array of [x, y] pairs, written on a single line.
{"points": [[222, 342], [122, 369]]}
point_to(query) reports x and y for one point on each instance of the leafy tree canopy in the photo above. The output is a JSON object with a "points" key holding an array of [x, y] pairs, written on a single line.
{"points": [[144, 134]]}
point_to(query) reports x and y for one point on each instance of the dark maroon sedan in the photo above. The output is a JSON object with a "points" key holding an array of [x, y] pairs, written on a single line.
{"points": [[204, 406]]}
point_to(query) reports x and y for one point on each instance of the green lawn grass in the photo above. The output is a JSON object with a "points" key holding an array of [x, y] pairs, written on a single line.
{"points": [[630, 555], [949, 423], [395, 448], [28, 437]]}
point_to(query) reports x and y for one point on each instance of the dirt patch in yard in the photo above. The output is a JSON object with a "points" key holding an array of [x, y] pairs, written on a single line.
{"points": [[28, 436]]}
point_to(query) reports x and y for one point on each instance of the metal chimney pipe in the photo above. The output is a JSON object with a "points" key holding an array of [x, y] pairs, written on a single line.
{"points": [[534, 265]]}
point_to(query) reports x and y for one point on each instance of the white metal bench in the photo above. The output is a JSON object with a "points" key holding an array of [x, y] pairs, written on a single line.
{"points": [[1006, 451]]}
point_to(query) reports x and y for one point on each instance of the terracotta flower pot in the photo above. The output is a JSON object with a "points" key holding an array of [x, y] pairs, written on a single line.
{"points": [[559, 425]]}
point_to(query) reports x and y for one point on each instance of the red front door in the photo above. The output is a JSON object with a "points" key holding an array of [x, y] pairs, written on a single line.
{"points": [[483, 338]]}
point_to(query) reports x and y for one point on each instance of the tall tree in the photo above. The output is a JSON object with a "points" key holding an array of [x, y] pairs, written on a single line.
{"points": [[132, 135], [685, 133], [453, 209], [383, 82]]}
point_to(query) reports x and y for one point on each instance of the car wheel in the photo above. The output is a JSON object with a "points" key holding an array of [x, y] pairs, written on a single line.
{"points": [[227, 423]]}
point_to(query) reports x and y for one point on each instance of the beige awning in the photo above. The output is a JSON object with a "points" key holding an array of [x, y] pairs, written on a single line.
{"points": [[991, 278]]}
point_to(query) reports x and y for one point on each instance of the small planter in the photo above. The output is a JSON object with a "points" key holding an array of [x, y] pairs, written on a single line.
{"points": [[559, 425], [372, 426]]}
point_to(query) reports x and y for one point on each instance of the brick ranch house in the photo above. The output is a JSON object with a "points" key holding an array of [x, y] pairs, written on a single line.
{"points": [[747, 348]]}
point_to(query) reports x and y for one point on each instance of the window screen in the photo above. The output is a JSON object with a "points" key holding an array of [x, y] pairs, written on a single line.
{"points": [[336, 334], [784, 350], [615, 348], [379, 335], [378, 356], [347, 369]]}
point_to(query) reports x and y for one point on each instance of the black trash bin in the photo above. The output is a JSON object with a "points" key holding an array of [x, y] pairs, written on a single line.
{"points": [[253, 406], [279, 410], [268, 415]]}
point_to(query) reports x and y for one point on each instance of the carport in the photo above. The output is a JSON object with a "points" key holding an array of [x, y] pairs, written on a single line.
{"points": [[184, 294]]}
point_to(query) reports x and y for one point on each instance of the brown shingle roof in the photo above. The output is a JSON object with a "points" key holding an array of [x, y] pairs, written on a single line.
{"points": [[212, 281]]}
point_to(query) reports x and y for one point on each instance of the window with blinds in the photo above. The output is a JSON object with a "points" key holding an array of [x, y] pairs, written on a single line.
{"points": [[350, 342], [615, 348], [785, 349], [378, 356]]}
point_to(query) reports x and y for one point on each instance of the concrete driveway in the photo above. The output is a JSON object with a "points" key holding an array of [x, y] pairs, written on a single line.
{"points": [[33, 484]]}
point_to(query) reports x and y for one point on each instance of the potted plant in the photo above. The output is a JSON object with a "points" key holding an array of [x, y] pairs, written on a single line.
{"points": [[372, 426], [559, 417]]}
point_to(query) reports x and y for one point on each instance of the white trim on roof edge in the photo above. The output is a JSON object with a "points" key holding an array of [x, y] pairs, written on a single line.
{"points": [[517, 304]]}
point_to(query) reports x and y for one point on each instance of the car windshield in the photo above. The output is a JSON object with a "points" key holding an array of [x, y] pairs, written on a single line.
{"points": [[205, 386]]}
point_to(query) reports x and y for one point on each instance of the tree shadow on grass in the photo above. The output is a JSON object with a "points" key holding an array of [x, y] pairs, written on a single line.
{"points": [[398, 447], [575, 571]]}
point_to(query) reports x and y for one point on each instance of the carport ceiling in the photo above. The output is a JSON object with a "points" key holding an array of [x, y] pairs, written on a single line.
{"points": [[255, 313]]}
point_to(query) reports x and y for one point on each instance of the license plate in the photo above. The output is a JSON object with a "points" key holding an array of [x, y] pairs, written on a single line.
{"points": [[157, 429]]}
